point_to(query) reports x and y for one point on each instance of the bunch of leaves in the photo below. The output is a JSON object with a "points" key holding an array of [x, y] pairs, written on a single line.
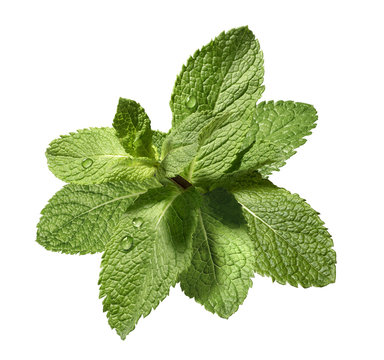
{"points": [[193, 206]]}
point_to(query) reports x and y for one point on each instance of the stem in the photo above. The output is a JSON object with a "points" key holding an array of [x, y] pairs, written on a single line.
{"points": [[181, 182]]}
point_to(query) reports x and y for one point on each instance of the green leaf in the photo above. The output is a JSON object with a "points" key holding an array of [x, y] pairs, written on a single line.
{"points": [[192, 205], [292, 244], [220, 142], [79, 219], [158, 138], [133, 128], [181, 145], [203, 148], [279, 127], [94, 156], [227, 74], [223, 256], [150, 247]]}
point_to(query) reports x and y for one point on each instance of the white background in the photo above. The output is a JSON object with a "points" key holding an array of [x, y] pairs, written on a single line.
{"points": [[64, 65]]}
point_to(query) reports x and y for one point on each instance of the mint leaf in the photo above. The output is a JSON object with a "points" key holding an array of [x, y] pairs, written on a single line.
{"points": [[94, 156], [79, 219], [181, 145], [191, 205], [292, 244], [204, 146], [220, 142], [227, 74], [150, 247], [133, 128], [223, 256], [158, 138], [279, 128]]}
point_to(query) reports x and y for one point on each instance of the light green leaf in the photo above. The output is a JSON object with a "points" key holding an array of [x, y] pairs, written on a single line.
{"points": [[225, 75], [181, 145], [219, 145], [279, 128], [292, 244], [223, 256], [79, 219], [94, 156], [203, 148], [133, 128], [158, 138], [150, 247]]}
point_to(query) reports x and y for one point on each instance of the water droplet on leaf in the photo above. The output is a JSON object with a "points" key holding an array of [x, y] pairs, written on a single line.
{"points": [[86, 163], [126, 244], [137, 222], [191, 102]]}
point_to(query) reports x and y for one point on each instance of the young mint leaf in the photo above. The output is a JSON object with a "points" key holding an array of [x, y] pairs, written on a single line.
{"points": [[94, 156], [227, 74], [279, 128], [133, 128], [150, 247], [79, 219], [223, 256], [158, 138], [220, 142], [181, 145], [204, 146], [292, 244]]}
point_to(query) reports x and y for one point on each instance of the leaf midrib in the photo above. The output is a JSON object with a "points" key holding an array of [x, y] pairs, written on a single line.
{"points": [[280, 236], [208, 245], [96, 207]]}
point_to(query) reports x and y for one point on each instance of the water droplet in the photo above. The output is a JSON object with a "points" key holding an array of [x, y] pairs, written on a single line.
{"points": [[86, 163], [126, 244], [191, 102], [137, 222]]}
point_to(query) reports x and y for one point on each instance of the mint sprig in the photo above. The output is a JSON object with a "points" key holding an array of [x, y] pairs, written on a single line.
{"points": [[194, 205]]}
